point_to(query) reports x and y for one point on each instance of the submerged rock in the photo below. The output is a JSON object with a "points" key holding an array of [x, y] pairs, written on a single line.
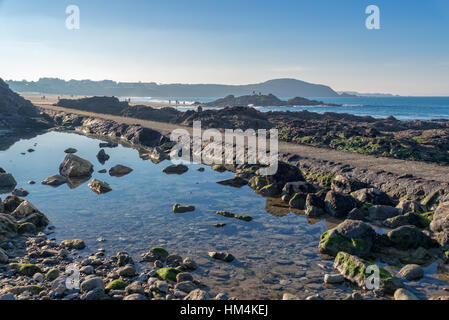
{"points": [[119, 171], [176, 169], [75, 167], [236, 182], [228, 214], [222, 256], [179, 208], [77, 244], [99, 187], [20, 192]]}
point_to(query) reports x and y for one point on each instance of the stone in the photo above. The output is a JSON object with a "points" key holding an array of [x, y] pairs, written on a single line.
{"points": [[117, 284], [410, 237], [403, 294], [70, 150], [174, 260], [333, 278], [410, 206], [236, 182], [411, 272], [289, 296], [198, 294], [176, 169], [291, 188], [99, 187], [351, 236], [189, 264], [440, 222], [3, 257], [135, 287], [346, 184], [156, 254], [355, 270], [95, 294], [38, 277], [167, 274], [119, 171], [26, 228], [185, 286], [373, 196], [55, 180], [184, 276], [87, 270], [222, 256], [135, 297], [127, 271], [26, 212], [123, 258], [75, 167], [20, 192], [91, 283], [298, 201], [339, 205], [410, 218], [52, 274], [179, 208], [270, 190], [314, 206], [7, 182], [77, 244], [381, 212], [102, 156]]}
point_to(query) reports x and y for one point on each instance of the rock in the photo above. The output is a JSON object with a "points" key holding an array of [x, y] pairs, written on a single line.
{"points": [[17, 290], [298, 201], [179, 208], [70, 150], [31, 182], [440, 222], [174, 260], [228, 214], [338, 204], [333, 278], [409, 218], [119, 171], [236, 182], [411, 272], [26, 269], [99, 187], [7, 297], [20, 192], [289, 296], [26, 212], [11, 203], [222, 256], [221, 297], [108, 145], [3, 257], [189, 264], [77, 244], [410, 237], [219, 168], [135, 287], [7, 182], [314, 206], [135, 297], [55, 180], [26, 228], [52, 274], [346, 184], [91, 283], [75, 167], [167, 274], [176, 169], [291, 188], [87, 270], [127, 271], [410, 206], [314, 297], [198, 294], [102, 156], [270, 190], [373, 196], [184, 276], [381, 212], [123, 258], [351, 236], [38, 277], [354, 270], [95, 294], [8, 227], [403, 294], [155, 254], [117, 284]]}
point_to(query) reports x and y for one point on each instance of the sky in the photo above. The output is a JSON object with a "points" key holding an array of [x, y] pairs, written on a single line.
{"points": [[232, 42]]}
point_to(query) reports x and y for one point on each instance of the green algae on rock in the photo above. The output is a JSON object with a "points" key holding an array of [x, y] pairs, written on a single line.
{"points": [[167, 274]]}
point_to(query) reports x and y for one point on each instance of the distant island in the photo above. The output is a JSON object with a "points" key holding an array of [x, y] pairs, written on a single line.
{"points": [[278, 87], [260, 100]]}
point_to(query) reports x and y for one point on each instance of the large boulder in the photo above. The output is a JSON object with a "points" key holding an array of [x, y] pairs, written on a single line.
{"points": [[75, 167], [357, 271], [440, 220], [381, 212], [338, 204], [292, 188], [351, 236], [27, 213], [410, 237], [410, 206], [314, 206], [373, 196], [7, 183]]}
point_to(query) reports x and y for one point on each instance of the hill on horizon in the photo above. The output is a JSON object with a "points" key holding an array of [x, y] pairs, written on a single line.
{"points": [[279, 87]]}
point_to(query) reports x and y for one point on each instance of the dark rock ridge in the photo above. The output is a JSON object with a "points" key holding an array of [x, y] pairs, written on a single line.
{"points": [[269, 100]]}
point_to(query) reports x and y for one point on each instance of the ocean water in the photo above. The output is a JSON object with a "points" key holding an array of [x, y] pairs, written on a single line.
{"points": [[403, 108], [275, 253]]}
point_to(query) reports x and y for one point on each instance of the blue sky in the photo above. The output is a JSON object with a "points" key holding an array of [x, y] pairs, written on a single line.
{"points": [[232, 41]]}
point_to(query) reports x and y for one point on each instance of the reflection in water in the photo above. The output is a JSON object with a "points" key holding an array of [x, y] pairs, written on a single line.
{"points": [[275, 253]]}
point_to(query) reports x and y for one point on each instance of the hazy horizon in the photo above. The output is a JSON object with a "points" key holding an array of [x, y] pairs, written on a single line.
{"points": [[232, 42]]}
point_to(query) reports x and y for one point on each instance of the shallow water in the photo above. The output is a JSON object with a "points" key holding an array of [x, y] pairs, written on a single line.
{"points": [[275, 253]]}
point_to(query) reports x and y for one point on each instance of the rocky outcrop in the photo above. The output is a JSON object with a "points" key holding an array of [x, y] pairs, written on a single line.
{"points": [[75, 167]]}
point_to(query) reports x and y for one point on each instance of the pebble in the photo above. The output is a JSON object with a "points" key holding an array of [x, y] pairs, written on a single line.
{"points": [[333, 278]]}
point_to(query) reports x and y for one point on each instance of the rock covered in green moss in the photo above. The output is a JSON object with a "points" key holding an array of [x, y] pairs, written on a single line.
{"points": [[77, 244], [117, 285], [52, 274], [358, 272], [314, 206], [351, 236], [159, 253], [298, 201], [179, 208], [26, 269], [258, 182], [33, 289], [270, 190], [229, 214], [410, 218], [167, 274], [99, 187], [219, 168]]}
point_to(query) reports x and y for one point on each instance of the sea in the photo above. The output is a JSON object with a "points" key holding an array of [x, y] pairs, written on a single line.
{"points": [[402, 108]]}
